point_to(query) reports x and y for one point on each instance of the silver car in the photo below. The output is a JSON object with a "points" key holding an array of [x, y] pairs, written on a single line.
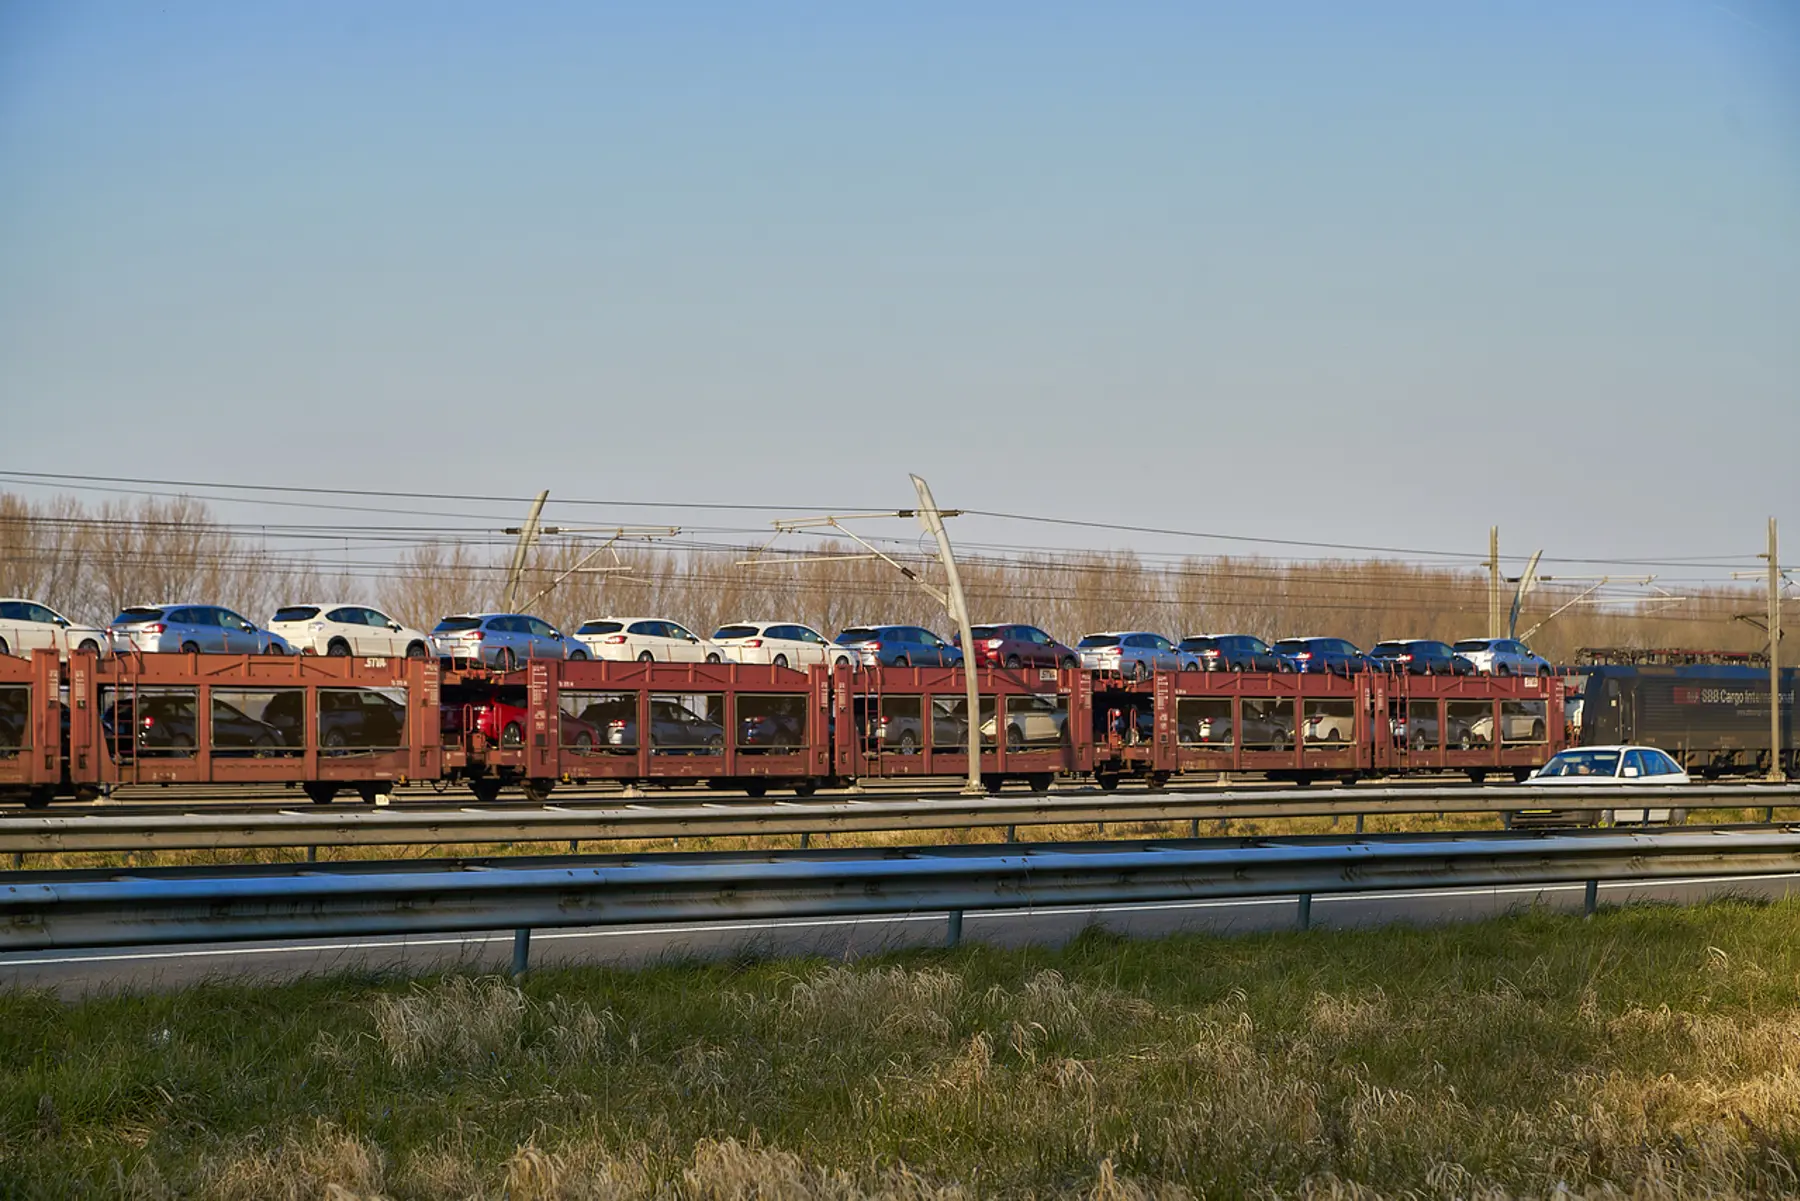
{"points": [[180, 627], [1502, 657], [501, 640], [1135, 653]]}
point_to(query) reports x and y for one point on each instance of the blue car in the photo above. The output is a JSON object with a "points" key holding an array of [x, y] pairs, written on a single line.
{"points": [[899, 646], [1329, 656]]}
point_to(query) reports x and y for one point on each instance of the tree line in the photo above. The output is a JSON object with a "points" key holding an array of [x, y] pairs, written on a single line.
{"points": [[91, 560]]}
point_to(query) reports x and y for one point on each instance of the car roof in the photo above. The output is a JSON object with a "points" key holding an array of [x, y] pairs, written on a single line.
{"points": [[1614, 746], [647, 617], [1120, 633], [771, 622]]}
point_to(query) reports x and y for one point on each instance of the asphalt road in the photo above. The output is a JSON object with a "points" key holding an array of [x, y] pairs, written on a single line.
{"points": [[72, 974]]}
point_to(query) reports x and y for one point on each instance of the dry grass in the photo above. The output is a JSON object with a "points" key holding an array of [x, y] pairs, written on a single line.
{"points": [[1652, 1053]]}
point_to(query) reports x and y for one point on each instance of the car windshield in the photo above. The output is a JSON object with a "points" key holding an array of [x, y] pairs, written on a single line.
{"points": [[138, 614], [1582, 763], [295, 613], [600, 627], [857, 634], [731, 632], [1471, 644], [1387, 650], [1093, 640], [1199, 644], [452, 624], [1289, 646]]}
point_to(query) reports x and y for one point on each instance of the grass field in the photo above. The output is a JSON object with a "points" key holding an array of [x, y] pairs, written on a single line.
{"points": [[1652, 1052]]}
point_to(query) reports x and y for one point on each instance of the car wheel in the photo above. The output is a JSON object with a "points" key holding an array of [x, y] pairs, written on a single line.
{"points": [[1279, 742], [1537, 731], [4, 650], [1015, 738], [274, 648], [908, 744], [841, 661], [646, 657], [902, 661], [713, 657], [190, 648], [577, 656], [1503, 670], [716, 744], [415, 650], [334, 739], [780, 661], [512, 735], [87, 644], [506, 660], [339, 649], [1068, 663], [1464, 742], [1419, 743], [1140, 670], [1543, 672], [584, 743]]}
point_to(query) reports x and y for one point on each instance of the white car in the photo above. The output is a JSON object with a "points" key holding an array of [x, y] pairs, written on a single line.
{"points": [[783, 644], [1616, 765], [1501, 657], [27, 626], [325, 628], [646, 639]]}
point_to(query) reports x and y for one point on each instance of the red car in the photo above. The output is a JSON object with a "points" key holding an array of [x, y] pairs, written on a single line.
{"points": [[1014, 645], [504, 725]]}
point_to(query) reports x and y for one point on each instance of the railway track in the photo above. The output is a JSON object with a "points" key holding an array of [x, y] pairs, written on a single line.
{"points": [[616, 819]]}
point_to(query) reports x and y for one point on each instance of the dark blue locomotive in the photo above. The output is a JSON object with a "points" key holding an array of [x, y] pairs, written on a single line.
{"points": [[1713, 717]]}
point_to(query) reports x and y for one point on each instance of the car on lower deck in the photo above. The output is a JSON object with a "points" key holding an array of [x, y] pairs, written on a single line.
{"points": [[325, 628]]}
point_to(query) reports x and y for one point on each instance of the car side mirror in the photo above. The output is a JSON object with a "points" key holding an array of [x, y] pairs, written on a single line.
{"points": [[246, 627], [394, 626]]}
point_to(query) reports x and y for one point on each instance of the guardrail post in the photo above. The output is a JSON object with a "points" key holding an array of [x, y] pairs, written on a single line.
{"points": [[1012, 833], [1194, 828], [574, 846], [1305, 911], [312, 854], [805, 840], [953, 931], [1769, 816], [1359, 823], [1591, 901], [18, 860], [521, 951]]}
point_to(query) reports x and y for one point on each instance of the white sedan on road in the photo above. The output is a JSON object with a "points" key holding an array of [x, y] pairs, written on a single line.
{"points": [[1616, 765], [27, 626], [646, 639], [344, 629], [784, 644]]}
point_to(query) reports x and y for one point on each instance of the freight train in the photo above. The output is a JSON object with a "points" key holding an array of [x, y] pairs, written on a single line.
{"points": [[332, 726]]}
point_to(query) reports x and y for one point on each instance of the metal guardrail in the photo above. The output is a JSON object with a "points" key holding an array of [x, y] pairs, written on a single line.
{"points": [[96, 909], [322, 827]]}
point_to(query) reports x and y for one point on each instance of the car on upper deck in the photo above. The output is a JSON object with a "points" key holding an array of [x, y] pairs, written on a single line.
{"points": [[27, 626], [339, 629]]}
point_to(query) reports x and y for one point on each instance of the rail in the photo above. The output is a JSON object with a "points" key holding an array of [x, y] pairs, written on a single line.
{"points": [[33, 833], [100, 909]]}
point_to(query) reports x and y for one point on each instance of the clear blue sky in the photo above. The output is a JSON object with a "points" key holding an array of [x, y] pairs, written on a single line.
{"points": [[1384, 272]]}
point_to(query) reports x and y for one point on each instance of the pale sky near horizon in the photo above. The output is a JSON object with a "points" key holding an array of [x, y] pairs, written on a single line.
{"points": [[1382, 273]]}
